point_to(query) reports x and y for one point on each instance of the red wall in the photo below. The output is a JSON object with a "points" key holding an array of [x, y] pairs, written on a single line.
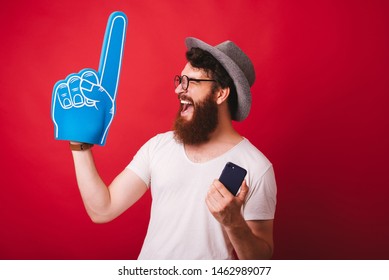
{"points": [[319, 113]]}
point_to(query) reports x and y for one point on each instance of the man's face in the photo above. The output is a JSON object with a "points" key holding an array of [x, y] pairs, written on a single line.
{"points": [[197, 117]]}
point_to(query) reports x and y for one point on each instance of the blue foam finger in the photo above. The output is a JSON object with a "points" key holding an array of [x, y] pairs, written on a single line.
{"points": [[112, 53], [83, 105]]}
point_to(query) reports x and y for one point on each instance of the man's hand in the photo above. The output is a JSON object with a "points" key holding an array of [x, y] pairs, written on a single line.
{"points": [[83, 105], [250, 239], [225, 207]]}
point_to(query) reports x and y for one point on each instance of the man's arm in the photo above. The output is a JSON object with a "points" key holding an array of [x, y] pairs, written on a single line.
{"points": [[250, 239], [103, 203]]}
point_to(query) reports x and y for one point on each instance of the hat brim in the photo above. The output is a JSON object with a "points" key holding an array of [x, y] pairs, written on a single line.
{"points": [[237, 75]]}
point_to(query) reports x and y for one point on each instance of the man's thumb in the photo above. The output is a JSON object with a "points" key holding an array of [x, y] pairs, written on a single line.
{"points": [[244, 189]]}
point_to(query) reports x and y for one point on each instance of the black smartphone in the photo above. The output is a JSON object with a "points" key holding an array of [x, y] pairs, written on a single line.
{"points": [[232, 177]]}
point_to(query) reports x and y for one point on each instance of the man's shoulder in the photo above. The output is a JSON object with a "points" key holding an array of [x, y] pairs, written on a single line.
{"points": [[164, 136], [251, 153], [162, 139], [251, 148]]}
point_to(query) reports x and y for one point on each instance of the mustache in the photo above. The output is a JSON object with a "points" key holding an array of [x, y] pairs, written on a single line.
{"points": [[185, 98]]}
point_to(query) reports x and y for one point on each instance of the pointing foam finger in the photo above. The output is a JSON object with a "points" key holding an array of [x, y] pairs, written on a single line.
{"points": [[112, 52]]}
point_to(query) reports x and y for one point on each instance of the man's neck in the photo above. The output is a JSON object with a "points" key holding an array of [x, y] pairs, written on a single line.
{"points": [[224, 138]]}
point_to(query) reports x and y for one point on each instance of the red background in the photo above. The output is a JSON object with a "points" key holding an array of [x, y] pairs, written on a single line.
{"points": [[319, 113]]}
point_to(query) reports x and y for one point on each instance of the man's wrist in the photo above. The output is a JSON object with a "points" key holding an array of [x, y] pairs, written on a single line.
{"points": [[237, 224], [77, 146]]}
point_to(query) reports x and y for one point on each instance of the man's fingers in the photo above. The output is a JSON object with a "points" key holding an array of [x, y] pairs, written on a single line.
{"points": [[218, 190], [112, 52], [222, 189]]}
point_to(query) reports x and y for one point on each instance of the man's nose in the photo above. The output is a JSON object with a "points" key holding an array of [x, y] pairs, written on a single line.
{"points": [[179, 89]]}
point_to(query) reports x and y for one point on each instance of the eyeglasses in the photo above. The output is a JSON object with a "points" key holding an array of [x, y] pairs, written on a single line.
{"points": [[184, 81]]}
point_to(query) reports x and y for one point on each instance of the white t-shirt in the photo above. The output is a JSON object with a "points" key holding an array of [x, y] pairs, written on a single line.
{"points": [[181, 226]]}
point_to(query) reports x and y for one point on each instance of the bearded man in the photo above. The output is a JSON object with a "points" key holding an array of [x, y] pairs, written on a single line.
{"points": [[193, 215]]}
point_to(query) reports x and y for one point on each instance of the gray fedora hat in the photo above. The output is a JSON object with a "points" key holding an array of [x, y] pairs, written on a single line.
{"points": [[238, 66]]}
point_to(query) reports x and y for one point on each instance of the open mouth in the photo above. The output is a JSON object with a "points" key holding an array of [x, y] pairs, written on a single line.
{"points": [[186, 106]]}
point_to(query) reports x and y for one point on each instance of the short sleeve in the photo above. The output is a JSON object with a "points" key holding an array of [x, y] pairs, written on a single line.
{"points": [[261, 201], [140, 164]]}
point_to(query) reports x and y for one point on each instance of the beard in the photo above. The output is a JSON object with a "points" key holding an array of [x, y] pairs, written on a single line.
{"points": [[204, 121]]}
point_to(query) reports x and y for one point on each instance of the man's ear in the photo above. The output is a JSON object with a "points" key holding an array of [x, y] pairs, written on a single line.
{"points": [[222, 95]]}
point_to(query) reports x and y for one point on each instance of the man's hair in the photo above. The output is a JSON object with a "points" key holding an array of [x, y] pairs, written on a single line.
{"points": [[203, 60]]}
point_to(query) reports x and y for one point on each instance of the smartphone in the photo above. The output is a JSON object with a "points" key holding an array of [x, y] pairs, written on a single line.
{"points": [[232, 177]]}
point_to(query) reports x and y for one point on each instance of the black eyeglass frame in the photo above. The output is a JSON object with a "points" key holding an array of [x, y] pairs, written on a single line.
{"points": [[178, 81]]}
